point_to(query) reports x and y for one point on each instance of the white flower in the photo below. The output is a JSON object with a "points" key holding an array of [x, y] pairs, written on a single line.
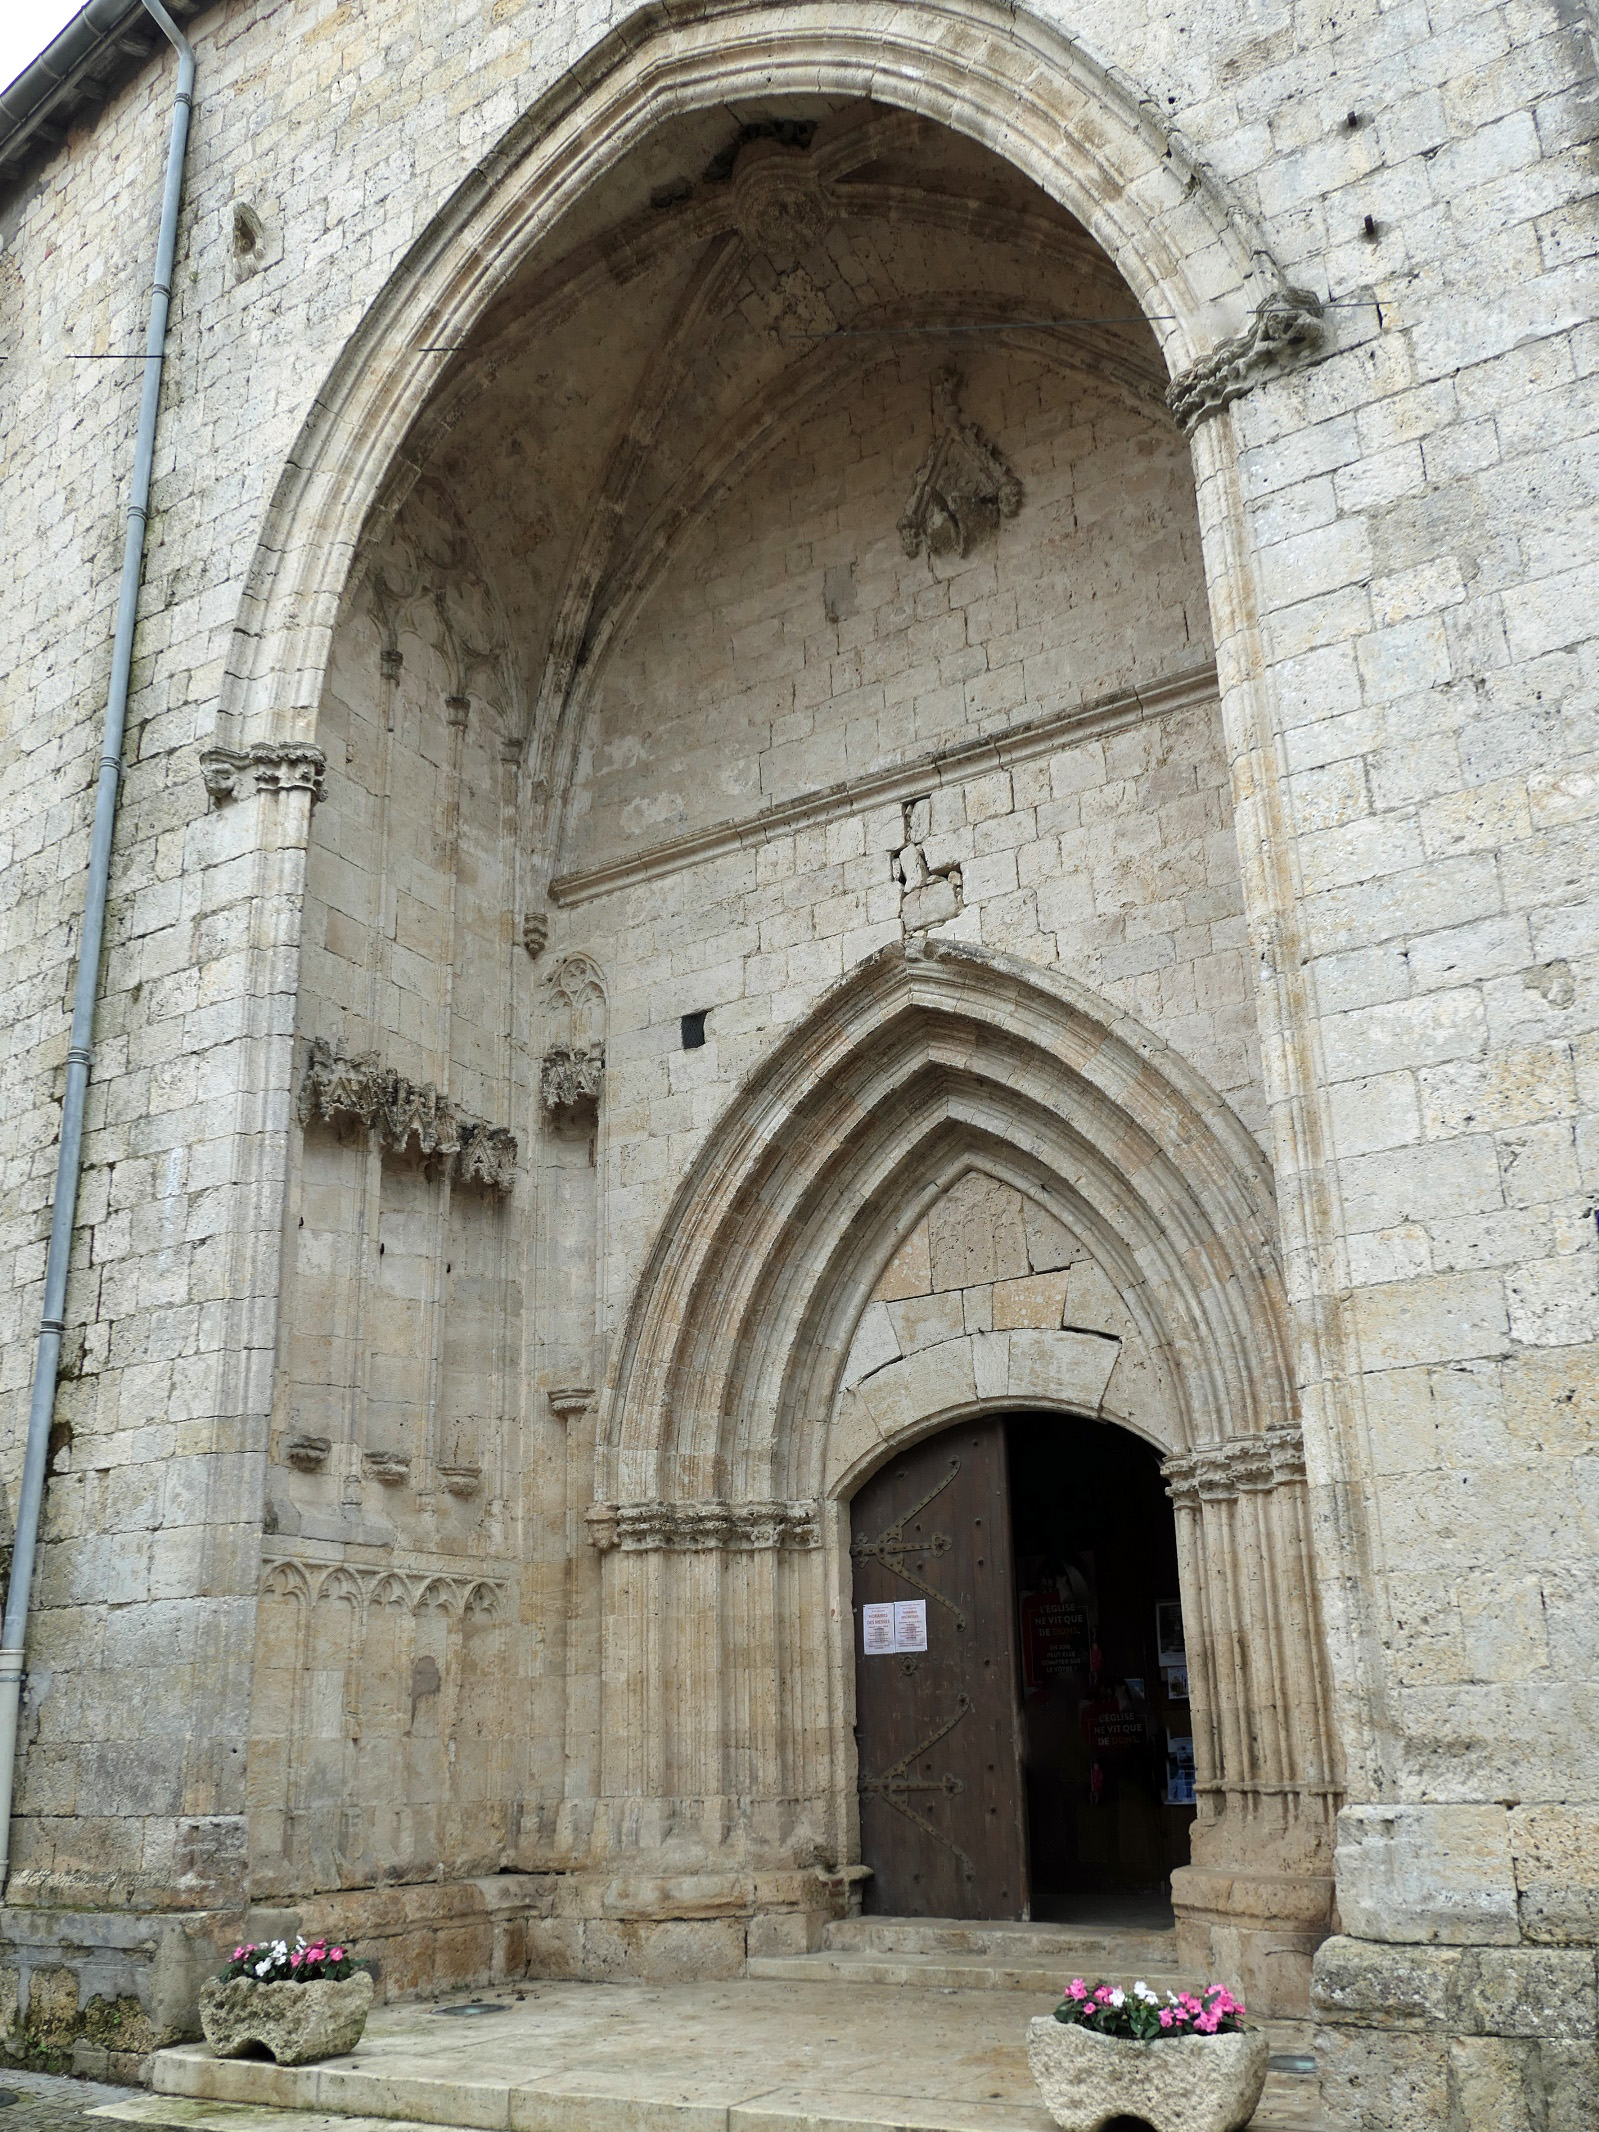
{"points": [[1118, 1997], [1142, 1991]]}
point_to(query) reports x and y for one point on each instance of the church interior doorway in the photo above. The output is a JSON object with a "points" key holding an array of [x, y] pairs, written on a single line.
{"points": [[1021, 1681]]}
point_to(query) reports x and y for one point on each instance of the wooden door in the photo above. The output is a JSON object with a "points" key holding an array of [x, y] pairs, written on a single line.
{"points": [[937, 1732]]}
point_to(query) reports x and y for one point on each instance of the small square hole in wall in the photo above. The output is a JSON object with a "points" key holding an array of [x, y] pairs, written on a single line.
{"points": [[694, 1029]]}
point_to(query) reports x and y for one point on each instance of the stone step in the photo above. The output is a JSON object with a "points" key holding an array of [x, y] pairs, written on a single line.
{"points": [[1107, 1947], [952, 1972]]}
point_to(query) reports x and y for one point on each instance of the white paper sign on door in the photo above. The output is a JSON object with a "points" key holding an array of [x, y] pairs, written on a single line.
{"points": [[897, 1626], [877, 1630]]}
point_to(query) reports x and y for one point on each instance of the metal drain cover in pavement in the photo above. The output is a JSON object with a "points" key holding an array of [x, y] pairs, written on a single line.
{"points": [[473, 2006]]}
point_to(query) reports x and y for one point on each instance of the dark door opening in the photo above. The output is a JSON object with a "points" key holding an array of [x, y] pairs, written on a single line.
{"points": [[1021, 1688], [1107, 1741]]}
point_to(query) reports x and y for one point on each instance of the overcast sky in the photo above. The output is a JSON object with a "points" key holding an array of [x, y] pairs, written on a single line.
{"points": [[26, 27]]}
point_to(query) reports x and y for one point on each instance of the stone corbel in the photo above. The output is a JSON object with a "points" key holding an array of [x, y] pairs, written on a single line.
{"points": [[1288, 325], [568, 1401], [963, 488], [275, 765]]}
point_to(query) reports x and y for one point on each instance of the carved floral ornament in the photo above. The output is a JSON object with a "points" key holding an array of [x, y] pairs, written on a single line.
{"points": [[1240, 1465], [274, 765], [1287, 325], [678, 1528], [340, 1090]]}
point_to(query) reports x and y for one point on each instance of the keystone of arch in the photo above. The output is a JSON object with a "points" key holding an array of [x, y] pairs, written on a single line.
{"points": [[1193, 258]]}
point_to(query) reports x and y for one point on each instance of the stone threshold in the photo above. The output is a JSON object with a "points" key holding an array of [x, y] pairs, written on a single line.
{"points": [[750, 2056]]}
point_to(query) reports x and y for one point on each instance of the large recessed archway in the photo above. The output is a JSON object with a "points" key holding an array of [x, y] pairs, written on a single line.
{"points": [[886, 339]]}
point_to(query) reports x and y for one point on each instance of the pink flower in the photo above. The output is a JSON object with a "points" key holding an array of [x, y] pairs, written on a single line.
{"points": [[238, 1954], [338, 1954], [1207, 2024], [1166, 2017], [1077, 1989], [1102, 1994]]}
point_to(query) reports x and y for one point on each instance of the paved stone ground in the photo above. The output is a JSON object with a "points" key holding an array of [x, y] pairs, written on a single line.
{"points": [[748, 2056], [45, 2102]]}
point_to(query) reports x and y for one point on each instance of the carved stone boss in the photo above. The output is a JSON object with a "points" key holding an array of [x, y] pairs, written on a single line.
{"points": [[1287, 325], [360, 1091], [638, 1528]]}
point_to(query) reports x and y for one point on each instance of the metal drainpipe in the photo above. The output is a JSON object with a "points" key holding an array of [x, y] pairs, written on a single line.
{"points": [[46, 1369]]}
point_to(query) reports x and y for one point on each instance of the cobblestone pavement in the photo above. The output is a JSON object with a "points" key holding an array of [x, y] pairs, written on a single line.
{"points": [[43, 2102]]}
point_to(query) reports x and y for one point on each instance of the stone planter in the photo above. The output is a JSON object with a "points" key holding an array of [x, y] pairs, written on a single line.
{"points": [[293, 2023], [1183, 2084]]}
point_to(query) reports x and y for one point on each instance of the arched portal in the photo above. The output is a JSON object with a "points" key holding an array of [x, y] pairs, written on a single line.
{"points": [[774, 1355], [707, 568]]}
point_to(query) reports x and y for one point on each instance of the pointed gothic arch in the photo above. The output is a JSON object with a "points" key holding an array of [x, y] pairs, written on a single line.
{"points": [[727, 1414]]}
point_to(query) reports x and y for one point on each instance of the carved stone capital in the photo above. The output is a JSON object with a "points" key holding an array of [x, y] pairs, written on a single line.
{"points": [[275, 765], [680, 1528], [571, 1080], [1238, 1465], [342, 1091], [1288, 325], [567, 1401]]}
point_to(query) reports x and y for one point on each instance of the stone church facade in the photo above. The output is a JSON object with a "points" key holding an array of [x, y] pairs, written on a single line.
{"points": [[845, 716]]}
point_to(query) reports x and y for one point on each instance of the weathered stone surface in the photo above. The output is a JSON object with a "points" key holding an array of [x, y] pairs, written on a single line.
{"points": [[1438, 1873], [1188, 2084], [1497, 1991], [296, 2024]]}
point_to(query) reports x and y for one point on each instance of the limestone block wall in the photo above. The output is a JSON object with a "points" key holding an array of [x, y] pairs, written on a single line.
{"points": [[394, 1644], [791, 642]]}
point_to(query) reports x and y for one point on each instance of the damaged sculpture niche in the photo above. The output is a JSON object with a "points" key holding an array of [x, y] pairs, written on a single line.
{"points": [[929, 895], [341, 1091], [572, 1072], [963, 488]]}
